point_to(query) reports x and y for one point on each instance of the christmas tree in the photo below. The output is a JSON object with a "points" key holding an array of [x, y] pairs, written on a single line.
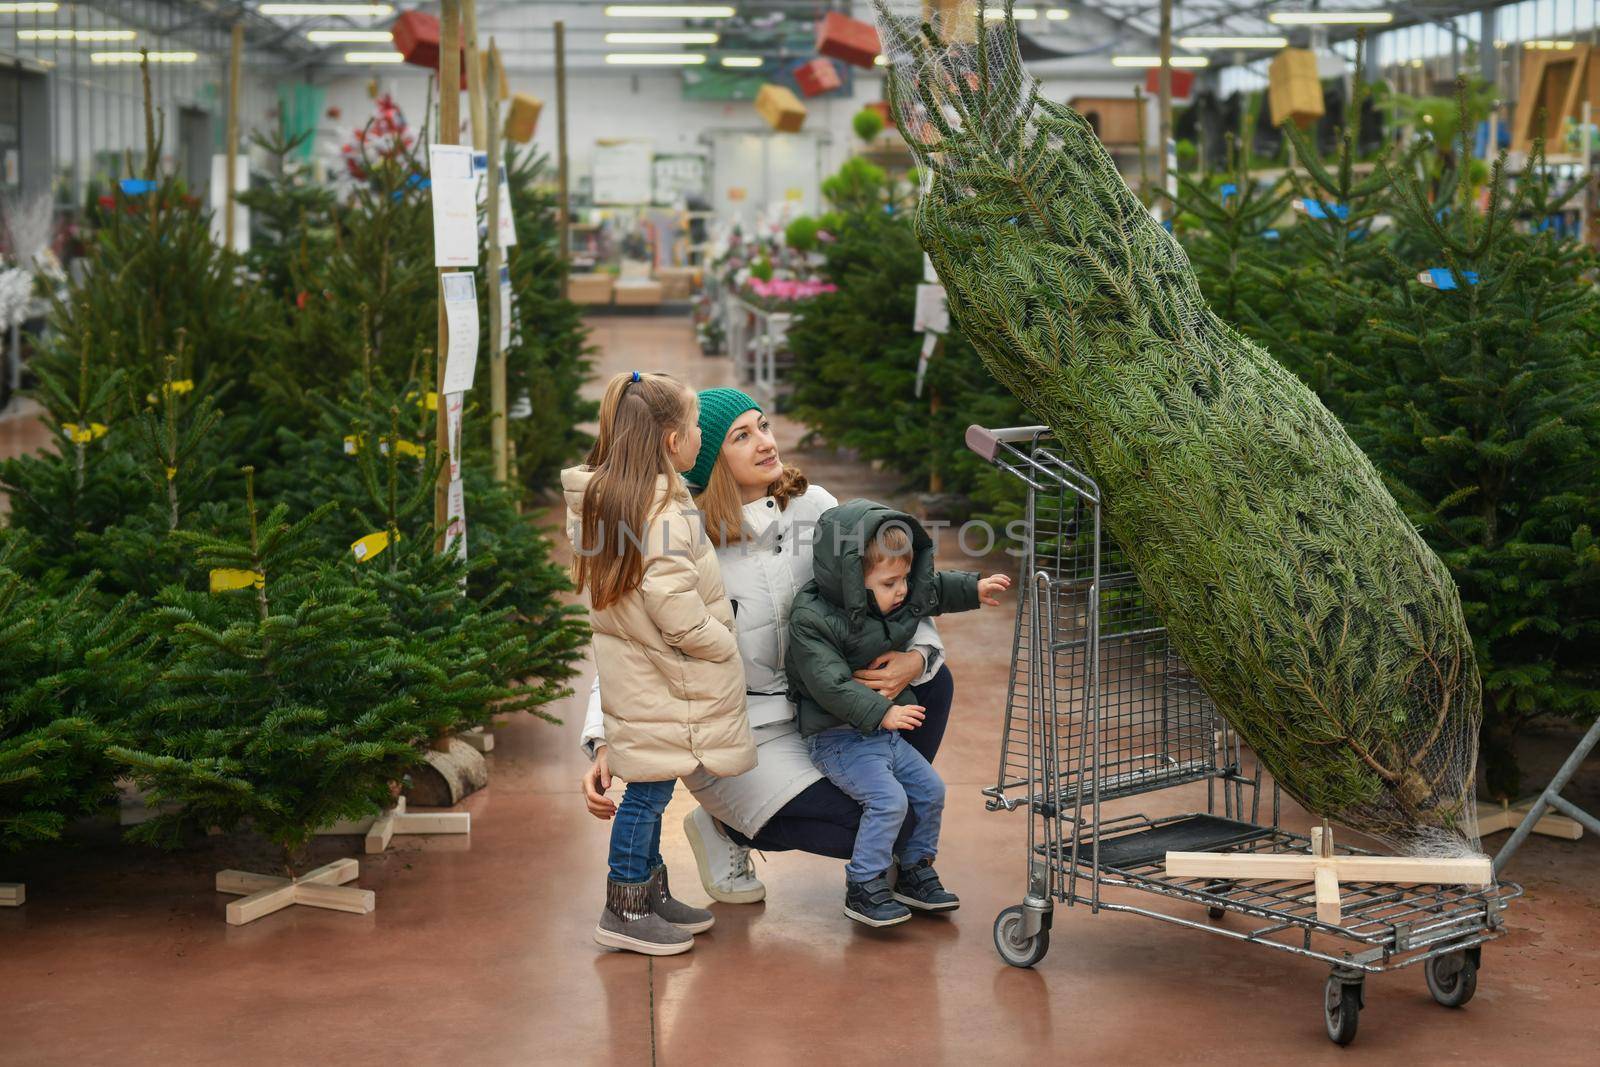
{"points": [[74, 665], [1289, 579], [282, 700]]}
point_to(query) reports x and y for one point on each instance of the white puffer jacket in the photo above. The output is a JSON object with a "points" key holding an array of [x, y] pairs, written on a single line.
{"points": [[762, 574]]}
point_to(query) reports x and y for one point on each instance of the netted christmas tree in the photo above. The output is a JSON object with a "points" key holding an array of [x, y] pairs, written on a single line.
{"points": [[1290, 581]]}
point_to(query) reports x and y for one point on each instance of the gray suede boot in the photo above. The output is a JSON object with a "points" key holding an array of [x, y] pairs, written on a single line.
{"points": [[630, 923], [676, 912]]}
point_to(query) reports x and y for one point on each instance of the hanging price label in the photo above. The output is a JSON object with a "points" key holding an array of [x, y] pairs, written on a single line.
{"points": [[177, 388], [370, 546], [227, 579], [83, 435]]}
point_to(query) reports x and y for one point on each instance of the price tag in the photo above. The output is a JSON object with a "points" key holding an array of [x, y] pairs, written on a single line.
{"points": [[508, 224], [461, 315], [84, 434], [227, 579], [933, 313], [452, 419], [455, 530], [455, 209], [370, 546]]}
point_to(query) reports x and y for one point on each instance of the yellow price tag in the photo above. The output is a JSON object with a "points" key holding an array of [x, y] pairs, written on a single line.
{"points": [[426, 400], [227, 579], [177, 388], [410, 448], [83, 435], [370, 546], [172, 472], [352, 444]]}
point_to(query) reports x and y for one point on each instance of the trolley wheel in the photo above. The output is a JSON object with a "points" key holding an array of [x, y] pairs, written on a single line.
{"points": [[1341, 1009], [1015, 949], [1215, 912], [1452, 978]]}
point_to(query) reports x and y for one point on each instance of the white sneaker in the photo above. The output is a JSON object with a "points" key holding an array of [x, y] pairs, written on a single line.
{"points": [[726, 870]]}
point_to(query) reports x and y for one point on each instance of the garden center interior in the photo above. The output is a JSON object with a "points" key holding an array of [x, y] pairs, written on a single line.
{"points": [[1232, 365]]}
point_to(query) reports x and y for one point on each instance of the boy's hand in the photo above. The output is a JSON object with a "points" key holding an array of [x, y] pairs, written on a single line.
{"points": [[990, 588], [903, 717]]}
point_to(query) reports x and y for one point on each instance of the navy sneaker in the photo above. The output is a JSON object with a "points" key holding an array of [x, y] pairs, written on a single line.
{"points": [[872, 903], [919, 887]]}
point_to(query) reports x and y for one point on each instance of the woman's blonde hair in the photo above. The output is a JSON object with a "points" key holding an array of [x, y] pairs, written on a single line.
{"points": [[629, 458], [723, 510]]}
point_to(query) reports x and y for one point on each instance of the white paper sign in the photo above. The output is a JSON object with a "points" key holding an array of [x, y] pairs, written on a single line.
{"points": [[929, 275], [455, 209], [453, 403], [461, 313], [455, 530], [933, 313], [505, 309], [930, 346], [508, 225], [241, 214]]}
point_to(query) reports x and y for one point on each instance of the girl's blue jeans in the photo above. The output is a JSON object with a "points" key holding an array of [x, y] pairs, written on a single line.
{"points": [[636, 830]]}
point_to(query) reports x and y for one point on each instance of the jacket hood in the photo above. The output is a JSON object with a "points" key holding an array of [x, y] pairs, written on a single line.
{"points": [[837, 566]]}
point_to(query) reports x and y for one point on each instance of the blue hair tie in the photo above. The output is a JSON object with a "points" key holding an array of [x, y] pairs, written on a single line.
{"points": [[634, 378]]}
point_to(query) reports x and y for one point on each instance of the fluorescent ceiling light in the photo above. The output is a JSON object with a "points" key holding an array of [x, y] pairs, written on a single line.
{"points": [[31, 8], [1548, 46], [349, 36], [1155, 61], [655, 59], [348, 10], [374, 57], [1021, 14], [686, 37], [1330, 18], [76, 35], [742, 61], [1233, 42], [134, 57], [1058, 14], [669, 11]]}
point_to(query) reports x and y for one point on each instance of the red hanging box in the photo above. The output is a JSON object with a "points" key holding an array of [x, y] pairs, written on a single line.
{"points": [[416, 38], [1182, 82], [851, 40], [817, 77]]}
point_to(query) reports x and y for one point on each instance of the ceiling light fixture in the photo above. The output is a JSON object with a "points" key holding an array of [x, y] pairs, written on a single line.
{"points": [[655, 59], [742, 61], [1330, 18], [374, 57], [309, 10], [1021, 14], [46, 7], [349, 36], [1155, 61], [687, 37], [1233, 42], [134, 57], [669, 11]]}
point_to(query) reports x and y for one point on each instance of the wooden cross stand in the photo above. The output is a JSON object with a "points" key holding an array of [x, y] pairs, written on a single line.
{"points": [[1326, 870], [1491, 820], [322, 888], [379, 829]]}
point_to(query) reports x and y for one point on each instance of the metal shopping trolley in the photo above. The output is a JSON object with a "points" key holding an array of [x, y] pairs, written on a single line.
{"points": [[1101, 708]]}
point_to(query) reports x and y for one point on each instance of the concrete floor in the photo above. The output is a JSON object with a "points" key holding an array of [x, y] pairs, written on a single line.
{"points": [[479, 950]]}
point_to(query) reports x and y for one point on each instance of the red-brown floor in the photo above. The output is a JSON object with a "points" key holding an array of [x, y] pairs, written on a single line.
{"points": [[479, 950]]}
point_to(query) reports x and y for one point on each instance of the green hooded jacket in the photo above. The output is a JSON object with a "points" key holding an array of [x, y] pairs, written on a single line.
{"points": [[835, 627]]}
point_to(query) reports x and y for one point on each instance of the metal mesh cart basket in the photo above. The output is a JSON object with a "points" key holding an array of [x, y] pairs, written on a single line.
{"points": [[1101, 708]]}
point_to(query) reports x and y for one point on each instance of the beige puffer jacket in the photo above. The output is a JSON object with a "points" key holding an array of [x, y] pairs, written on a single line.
{"points": [[671, 681]]}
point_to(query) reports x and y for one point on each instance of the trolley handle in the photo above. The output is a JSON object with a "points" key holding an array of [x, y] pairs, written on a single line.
{"points": [[986, 442]]}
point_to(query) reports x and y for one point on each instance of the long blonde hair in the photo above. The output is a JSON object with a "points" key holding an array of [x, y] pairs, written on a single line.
{"points": [[723, 509], [629, 458]]}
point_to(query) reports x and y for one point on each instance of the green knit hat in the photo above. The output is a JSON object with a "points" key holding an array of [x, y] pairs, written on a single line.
{"points": [[718, 409]]}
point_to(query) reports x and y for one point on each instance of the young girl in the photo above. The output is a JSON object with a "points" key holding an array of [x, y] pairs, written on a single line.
{"points": [[671, 681]]}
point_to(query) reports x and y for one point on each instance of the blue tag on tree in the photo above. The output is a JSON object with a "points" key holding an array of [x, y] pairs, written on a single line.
{"points": [[137, 186]]}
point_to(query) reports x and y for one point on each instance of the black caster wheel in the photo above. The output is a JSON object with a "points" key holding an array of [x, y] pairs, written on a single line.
{"points": [[1452, 978], [1014, 948], [1341, 1009], [1216, 913]]}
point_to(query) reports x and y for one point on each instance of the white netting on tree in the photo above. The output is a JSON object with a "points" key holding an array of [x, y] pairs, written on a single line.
{"points": [[1297, 591]]}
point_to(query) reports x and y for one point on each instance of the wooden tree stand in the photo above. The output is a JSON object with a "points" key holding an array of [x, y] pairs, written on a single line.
{"points": [[478, 738], [13, 894], [1326, 870], [322, 888], [1491, 820], [397, 820]]}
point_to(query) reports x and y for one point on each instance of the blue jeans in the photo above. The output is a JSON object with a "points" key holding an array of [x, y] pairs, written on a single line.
{"points": [[887, 777], [636, 830]]}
